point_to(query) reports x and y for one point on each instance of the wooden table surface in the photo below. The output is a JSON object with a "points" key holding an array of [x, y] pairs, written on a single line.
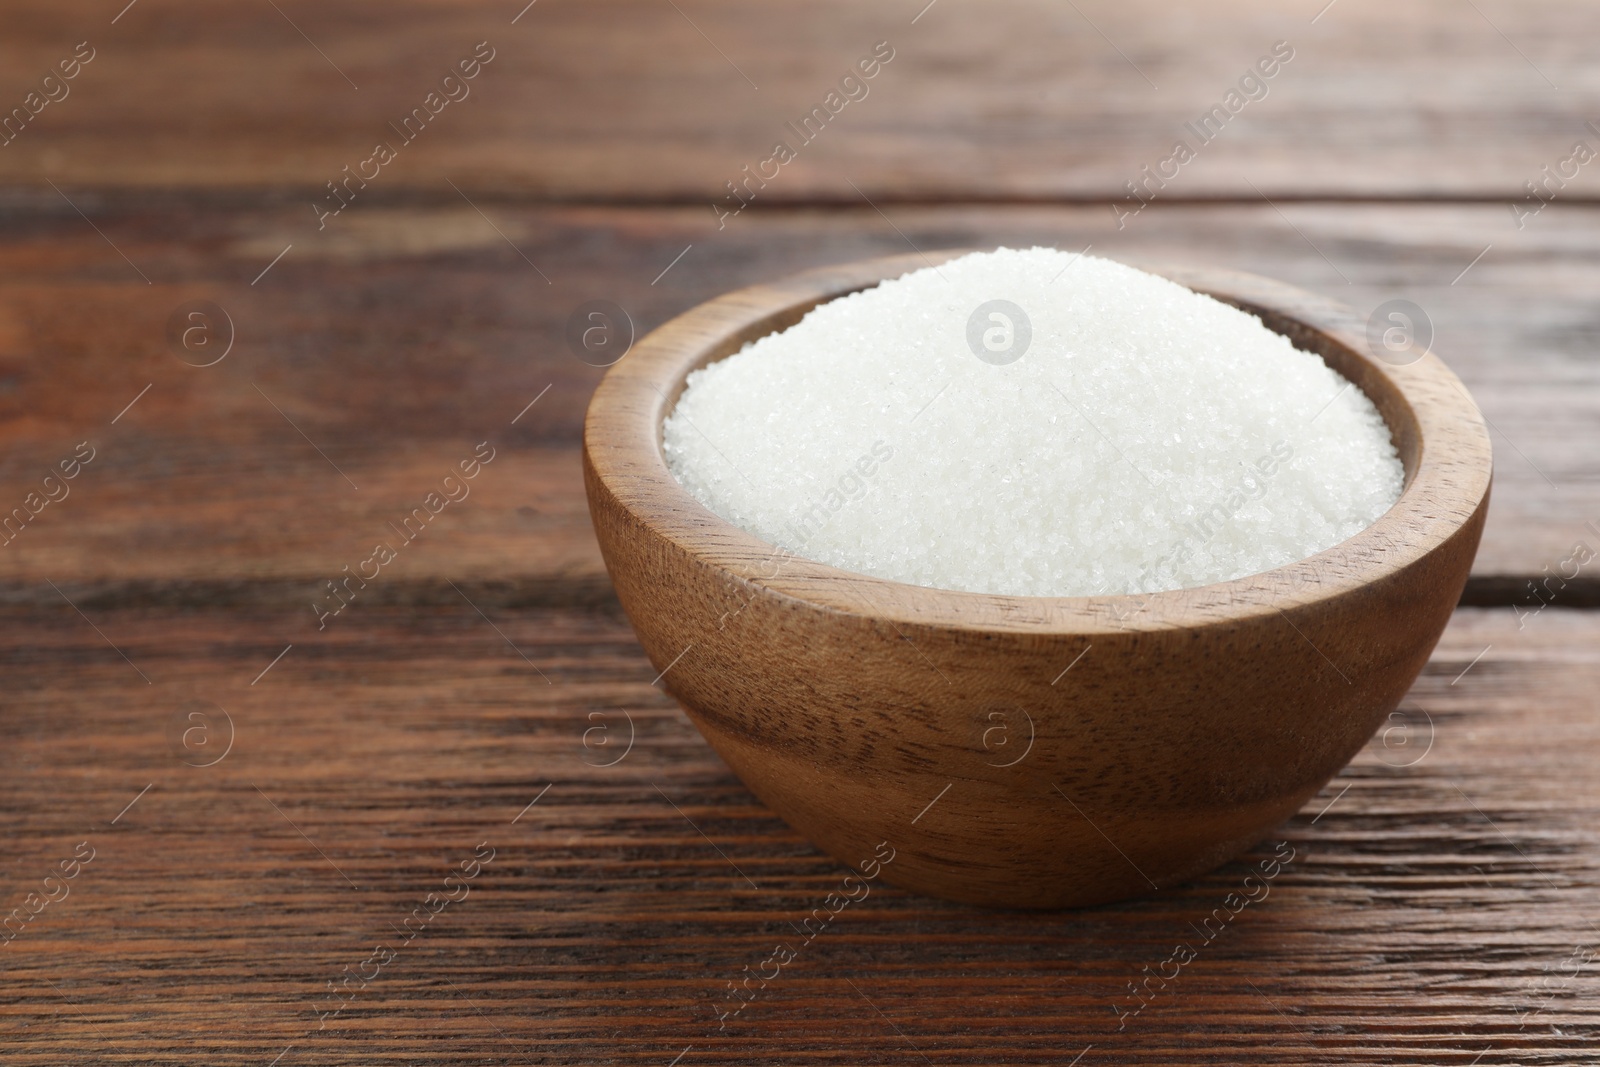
{"points": [[461, 822]]}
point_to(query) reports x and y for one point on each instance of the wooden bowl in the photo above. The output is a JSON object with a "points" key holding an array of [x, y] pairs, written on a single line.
{"points": [[944, 729]]}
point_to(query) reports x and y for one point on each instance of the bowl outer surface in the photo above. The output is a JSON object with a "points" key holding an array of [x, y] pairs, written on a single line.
{"points": [[1188, 725]]}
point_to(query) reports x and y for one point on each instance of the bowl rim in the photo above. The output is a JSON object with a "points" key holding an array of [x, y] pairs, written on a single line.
{"points": [[1447, 451]]}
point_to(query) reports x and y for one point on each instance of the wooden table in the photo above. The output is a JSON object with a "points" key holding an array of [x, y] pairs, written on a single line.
{"points": [[459, 822]]}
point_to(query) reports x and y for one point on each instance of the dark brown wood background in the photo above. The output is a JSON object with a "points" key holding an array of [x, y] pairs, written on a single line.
{"points": [[1442, 906]]}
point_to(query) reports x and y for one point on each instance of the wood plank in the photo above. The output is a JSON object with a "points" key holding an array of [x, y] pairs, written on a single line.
{"points": [[398, 343], [1430, 914], [636, 99]]}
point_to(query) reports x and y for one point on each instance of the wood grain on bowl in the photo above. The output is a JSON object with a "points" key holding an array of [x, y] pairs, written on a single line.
{"points": [[1166, 732]]}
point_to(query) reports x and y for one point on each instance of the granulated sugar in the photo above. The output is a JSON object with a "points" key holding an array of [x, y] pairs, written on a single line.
{"points": [[1146, 438]]}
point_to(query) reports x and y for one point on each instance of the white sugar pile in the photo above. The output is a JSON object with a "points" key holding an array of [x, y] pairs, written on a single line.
{"points": [[1146, 437]]}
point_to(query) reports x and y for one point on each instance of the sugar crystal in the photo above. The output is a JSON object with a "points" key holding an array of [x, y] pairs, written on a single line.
{"points": [[1035, 423]]}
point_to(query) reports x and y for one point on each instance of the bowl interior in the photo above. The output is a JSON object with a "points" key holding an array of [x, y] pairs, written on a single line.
{"points": [[1437, 431]]}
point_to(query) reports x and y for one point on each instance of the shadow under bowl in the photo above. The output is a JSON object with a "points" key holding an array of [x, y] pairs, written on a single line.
{"points": [[879, 718]]}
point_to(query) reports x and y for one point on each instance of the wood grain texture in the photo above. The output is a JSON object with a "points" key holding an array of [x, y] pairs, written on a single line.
{"points": [[404, 338], [638, 99], [1437, 910], [1438, 889]]}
